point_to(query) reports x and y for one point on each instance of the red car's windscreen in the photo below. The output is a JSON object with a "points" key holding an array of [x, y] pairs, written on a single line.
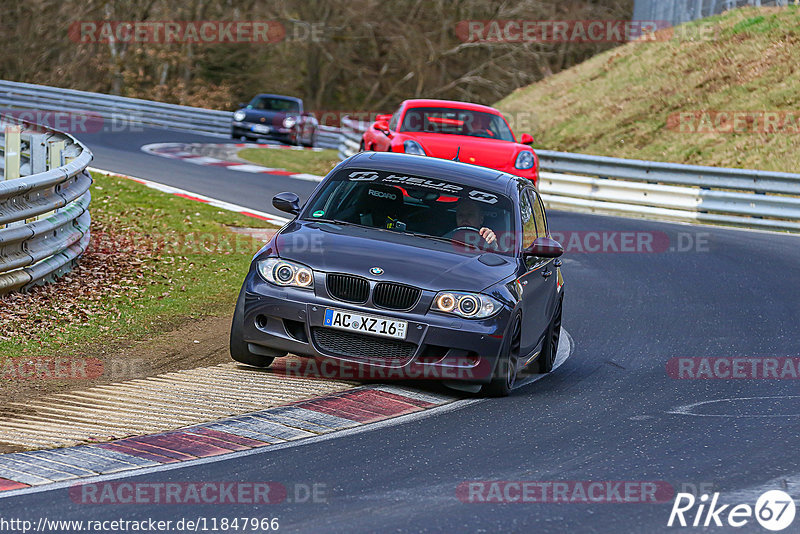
{"points": [[457, 122]]}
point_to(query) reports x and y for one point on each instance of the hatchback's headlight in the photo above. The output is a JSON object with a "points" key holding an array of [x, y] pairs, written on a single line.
{"points": [[524, 160], [286, 273], [468, 305], [288, 122], [239, 116], [412, 147]]}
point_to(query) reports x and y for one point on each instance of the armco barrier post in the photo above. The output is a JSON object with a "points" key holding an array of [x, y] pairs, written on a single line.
{"points": [[36, 251], [55, 159], [12, 152]]}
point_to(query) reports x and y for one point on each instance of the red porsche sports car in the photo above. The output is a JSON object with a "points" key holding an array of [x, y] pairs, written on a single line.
{"points": [[443, 129]]}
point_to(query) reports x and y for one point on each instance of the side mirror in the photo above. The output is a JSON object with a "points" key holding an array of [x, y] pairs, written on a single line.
{"points": [[383, 126], [384, 117], [544, 247], [287, 202], [526, 139]]}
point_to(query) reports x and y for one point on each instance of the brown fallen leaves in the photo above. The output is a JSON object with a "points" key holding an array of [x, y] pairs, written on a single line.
{"points": [[106, 279]]}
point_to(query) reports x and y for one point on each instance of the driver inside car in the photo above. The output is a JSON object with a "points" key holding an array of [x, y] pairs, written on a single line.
{"points": [[469, 217]]}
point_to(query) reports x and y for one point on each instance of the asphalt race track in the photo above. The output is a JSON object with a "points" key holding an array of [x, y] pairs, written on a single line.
{"points": [[611, 412], [120, 152]]}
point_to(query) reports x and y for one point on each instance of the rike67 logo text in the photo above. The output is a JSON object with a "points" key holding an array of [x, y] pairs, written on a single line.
{"points": [[774, 510]]}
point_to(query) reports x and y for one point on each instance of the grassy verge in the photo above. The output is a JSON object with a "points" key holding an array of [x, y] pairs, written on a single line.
{"points": [[156, 261], [300, 161], [624, 102]]}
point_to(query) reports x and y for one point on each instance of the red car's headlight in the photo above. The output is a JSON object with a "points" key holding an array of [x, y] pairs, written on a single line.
{"points": [[524, 160]]}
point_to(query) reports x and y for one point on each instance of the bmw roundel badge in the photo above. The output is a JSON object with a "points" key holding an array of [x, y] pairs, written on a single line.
{"points": [[376, 271]]}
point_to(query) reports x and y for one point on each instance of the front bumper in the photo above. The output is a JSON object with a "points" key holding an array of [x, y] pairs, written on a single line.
{"points": [[239, 129], [437, 346]]}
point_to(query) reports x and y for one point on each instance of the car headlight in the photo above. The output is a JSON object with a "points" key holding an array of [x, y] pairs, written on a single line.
{"points": [[286, 273], [239, 116], [524, 160], [467, 305], [412, 147], [288, 122]]}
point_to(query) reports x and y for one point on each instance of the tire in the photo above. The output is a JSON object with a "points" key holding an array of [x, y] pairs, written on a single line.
{"points": [[506, 370], [547, 358], [238, 346]]}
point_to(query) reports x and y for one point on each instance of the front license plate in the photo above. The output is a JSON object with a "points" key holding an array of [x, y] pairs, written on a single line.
{"points": [[260, 128], [365, 324]]}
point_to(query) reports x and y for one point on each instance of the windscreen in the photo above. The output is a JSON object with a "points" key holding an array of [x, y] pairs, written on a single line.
{"points": [[426, 207], [274, 104], [457, 122]]}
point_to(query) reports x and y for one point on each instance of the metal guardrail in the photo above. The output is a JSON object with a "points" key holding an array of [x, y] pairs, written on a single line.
{"points": [[115, 108], [350, 140], [328, 137], [676, 12], [122, 111], [647, 189], [44, 201]]}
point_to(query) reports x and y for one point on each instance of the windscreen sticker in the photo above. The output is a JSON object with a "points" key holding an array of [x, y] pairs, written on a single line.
{"points": [[318, 213], [422, 182], [482, 196], [382, 194], [363, 176], [435, 185]]}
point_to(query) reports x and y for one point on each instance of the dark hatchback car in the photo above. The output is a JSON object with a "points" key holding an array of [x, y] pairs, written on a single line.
{"points": [[276, 117], [428, 267]]}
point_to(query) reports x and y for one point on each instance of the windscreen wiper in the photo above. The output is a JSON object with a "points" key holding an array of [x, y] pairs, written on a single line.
{"points": [[339, 221]]}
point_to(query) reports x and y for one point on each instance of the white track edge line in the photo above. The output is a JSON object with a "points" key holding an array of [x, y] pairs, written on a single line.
{"points": [[174, 190]]}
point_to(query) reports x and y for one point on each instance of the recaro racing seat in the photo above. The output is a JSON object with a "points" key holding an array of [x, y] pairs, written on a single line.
{"points": [[380, 205]]}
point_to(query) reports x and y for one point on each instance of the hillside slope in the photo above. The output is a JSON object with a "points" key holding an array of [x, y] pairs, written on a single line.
{"points": [[627, 102]]}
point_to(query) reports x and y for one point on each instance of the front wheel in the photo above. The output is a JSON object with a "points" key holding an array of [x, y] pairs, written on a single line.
{"points": [[505, 374], [238, 346], [547, 358]]}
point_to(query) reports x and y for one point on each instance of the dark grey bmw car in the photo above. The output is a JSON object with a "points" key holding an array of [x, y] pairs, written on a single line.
{"points": [[426, 267]]}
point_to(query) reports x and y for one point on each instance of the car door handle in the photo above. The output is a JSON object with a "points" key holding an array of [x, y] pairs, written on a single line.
{"points": [[547, 274]]}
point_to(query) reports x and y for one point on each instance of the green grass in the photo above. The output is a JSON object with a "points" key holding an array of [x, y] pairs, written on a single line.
{"points": [[176, 259], [619, 103], [300, 161]]}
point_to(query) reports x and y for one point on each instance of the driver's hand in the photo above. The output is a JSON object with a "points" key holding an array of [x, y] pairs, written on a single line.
{"points": [[488, 235]]}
